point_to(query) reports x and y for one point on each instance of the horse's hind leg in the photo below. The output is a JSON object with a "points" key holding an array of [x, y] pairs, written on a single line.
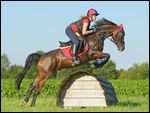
{"points": [[31, 88], [42, 78]]}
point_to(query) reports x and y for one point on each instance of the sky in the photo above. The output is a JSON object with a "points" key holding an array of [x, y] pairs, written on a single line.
{"points": [[30, 26]]}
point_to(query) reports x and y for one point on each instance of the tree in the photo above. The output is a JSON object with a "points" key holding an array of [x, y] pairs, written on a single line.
{"points": [[13, 71], [5, 63], [108, 70], [124, 74], [40, 52], [137, 71], [144, 70]]}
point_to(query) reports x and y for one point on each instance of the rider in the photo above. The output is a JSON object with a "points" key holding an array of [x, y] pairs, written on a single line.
{"points": [[80, 28]]}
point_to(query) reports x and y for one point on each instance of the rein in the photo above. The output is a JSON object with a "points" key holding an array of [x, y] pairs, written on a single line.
{"points": [[97, 40], [112, 40]]}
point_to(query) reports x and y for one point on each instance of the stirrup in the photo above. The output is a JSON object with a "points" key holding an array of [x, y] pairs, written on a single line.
{"points": [[75, 61]]}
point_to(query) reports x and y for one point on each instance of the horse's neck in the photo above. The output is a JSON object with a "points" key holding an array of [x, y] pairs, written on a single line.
{"points": [[97, 39], [96, 43]]}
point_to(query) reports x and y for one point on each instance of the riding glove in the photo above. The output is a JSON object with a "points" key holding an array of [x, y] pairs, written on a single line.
{"points": [[94, 30]]}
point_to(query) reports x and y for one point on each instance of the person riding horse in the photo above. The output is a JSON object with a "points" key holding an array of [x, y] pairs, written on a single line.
{"points": [[50, 62], [78, 30]]}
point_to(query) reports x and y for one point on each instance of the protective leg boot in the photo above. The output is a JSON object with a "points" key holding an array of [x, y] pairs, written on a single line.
{"points": [[74, 53], [100, 62]]}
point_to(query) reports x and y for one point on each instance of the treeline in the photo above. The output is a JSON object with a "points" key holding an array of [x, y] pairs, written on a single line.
{"points": [[137, 71]]}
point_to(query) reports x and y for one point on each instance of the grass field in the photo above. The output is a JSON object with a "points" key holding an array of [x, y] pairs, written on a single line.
{"points": [[133, 95], [133, 104]]}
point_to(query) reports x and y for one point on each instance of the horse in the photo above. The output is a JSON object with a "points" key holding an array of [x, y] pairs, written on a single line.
{"points": [[54, 60]]}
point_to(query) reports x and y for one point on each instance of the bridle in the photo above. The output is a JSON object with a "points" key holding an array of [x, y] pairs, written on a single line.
{"points": [[106, 36], [111, 39]]}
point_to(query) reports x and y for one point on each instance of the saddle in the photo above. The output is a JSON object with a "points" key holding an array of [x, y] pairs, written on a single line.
{"points": [[64, 44], [66, 48], [70, 43]]}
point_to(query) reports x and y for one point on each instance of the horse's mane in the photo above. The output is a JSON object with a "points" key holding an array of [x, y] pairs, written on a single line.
{"points": [[103, 21]]}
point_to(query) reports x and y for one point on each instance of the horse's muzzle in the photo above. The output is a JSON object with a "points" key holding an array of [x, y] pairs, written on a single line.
{"points": [[121, 49]]}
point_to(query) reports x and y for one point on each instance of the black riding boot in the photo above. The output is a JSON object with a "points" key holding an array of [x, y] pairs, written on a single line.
{"points": [[74, 53]]}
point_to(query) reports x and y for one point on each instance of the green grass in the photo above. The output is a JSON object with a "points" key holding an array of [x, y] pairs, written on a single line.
{"points": [[122, 87], [133, 95], [48, 104]]}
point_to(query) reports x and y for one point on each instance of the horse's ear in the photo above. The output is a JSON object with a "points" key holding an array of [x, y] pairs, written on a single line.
{"points": [[121, 27]]}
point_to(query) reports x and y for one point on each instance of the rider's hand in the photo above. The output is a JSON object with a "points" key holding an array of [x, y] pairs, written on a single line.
{"points": [[80, 37], [94, 30]]}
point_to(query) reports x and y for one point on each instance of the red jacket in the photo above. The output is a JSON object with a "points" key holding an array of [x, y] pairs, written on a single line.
{"points": [[77, 25]]}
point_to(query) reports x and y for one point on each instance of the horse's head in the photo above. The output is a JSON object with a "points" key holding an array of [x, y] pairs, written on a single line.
{"points": [[118, 37], [107, 29]]}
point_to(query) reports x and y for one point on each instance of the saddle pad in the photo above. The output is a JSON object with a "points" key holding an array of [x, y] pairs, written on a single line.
{"points": [[67, 51]]}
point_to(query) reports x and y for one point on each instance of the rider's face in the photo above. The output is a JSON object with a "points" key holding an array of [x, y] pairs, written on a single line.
{"points": [[93, 17]]}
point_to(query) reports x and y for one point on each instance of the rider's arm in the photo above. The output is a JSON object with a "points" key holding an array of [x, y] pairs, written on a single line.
{"points": [[77, 34], [84, 29]]}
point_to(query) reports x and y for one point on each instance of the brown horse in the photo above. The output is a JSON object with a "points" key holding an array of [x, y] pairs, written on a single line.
{"points": [[54, 60]]}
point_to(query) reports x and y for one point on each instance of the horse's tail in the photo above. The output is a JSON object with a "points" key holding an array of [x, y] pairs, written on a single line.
{"points": [[32, 58]]}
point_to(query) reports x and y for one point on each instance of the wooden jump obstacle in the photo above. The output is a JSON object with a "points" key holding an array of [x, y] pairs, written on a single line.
{"points": [[84, 89]]}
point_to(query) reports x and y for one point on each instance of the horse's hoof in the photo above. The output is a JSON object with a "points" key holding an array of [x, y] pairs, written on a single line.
{"points": [[23, 103], [32, 105]]}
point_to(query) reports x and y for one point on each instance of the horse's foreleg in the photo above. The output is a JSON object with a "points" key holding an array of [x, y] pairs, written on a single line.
{"points": [[100, 58]]}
